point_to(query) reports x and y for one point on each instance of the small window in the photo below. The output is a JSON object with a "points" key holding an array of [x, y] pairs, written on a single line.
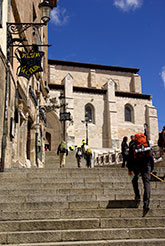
{"points": [[1, 13], [128, 113], [89, 112]]}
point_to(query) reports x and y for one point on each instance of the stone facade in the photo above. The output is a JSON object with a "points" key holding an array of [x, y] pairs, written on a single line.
{"points": [[108, 91], [22, 120]]}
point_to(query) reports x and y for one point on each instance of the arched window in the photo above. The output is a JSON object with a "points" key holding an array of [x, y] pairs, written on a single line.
{"points": [[89, 112], [128, 113]]}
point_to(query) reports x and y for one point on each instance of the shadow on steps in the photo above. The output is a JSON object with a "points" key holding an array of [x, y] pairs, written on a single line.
{"points": [[123, 204]]}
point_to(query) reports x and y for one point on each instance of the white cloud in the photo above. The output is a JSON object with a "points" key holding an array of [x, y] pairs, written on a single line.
{"points": [[127, 5], [163, 75], [59, 16]]}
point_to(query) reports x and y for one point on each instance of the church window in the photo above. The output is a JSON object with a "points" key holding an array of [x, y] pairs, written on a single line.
{"points": [[89, 113], [128, 113]]}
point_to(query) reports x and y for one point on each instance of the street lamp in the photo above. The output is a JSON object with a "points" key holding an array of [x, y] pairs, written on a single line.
{"points": [[62, 105], [64, 116], [86, 121], [18, 27], [46, 8]]}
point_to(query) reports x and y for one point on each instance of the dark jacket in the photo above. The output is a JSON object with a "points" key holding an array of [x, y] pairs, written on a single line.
{"points": [[161, 140], [60, 150], [124, 147]]}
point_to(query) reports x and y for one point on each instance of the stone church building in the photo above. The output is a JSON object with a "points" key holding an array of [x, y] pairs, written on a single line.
{"points": [[110, 96]]}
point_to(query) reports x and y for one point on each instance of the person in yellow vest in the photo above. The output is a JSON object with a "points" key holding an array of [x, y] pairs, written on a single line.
{"points": [[88, 157], [62, 151], [39, 145]]}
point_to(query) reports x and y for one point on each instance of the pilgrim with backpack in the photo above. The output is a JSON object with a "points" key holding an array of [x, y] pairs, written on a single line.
{"points": [[62, 151], [141, 163]]}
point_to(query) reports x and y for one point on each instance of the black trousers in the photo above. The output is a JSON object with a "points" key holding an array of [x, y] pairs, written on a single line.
{"points": [[145, 174], [125, 160]]}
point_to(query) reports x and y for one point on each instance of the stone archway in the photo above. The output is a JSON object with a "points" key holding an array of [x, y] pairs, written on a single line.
{"points": [[53, 130]]}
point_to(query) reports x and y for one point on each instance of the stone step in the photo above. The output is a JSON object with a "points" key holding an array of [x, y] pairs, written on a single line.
{"points": [[63, 179], [100, 190], [69, 200], [65, 173], [77, 204], [80, 188], [79, 213], [71, 196], [14, 187], [80, 223], [101, 169], [81, 235], [114, 175], [125, 242]]}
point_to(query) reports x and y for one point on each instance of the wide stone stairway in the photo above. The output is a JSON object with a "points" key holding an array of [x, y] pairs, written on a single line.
{"points": [[78, 207]]}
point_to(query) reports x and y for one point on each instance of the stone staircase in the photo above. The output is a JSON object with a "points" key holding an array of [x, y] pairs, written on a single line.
{"points": [[52, 160], [78, 207]]}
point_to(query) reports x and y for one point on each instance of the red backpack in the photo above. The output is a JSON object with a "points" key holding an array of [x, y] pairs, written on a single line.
{"points": [[142, 148], [140, 139]]}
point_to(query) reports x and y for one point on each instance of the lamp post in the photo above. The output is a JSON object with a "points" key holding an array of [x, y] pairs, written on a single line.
{"points": [[18, 29], [62, 105], [86, 124], [86, 121], [64, 116]]}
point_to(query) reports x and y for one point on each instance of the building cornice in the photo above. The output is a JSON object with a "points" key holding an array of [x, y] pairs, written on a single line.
{"points": [[133, 95], [93, 66], [102, 92]]}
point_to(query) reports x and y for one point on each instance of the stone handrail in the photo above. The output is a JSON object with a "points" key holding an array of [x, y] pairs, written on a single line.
{"points": [[108, 159], [116, 157]]}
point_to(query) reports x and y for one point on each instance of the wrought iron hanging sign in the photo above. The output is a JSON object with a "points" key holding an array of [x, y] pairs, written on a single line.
{"points": [[30, 63]]}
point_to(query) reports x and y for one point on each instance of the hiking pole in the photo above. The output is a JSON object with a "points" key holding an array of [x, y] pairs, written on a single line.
{"points": [[157, 177]]}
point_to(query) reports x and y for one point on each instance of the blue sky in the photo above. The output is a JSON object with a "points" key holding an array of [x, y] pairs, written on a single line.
{"points": [[127, 33]]}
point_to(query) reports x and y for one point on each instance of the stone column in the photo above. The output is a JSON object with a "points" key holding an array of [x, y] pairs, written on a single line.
{"points": [[33, 146], [22, 136], [92, 78], [111, 115], [20, 109], [69, 100], [152, 121], [135, 85]]}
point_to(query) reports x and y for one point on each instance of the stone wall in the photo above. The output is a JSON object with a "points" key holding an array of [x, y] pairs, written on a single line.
{"points": [[2, 92], [109, 126], [82, 77]]}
